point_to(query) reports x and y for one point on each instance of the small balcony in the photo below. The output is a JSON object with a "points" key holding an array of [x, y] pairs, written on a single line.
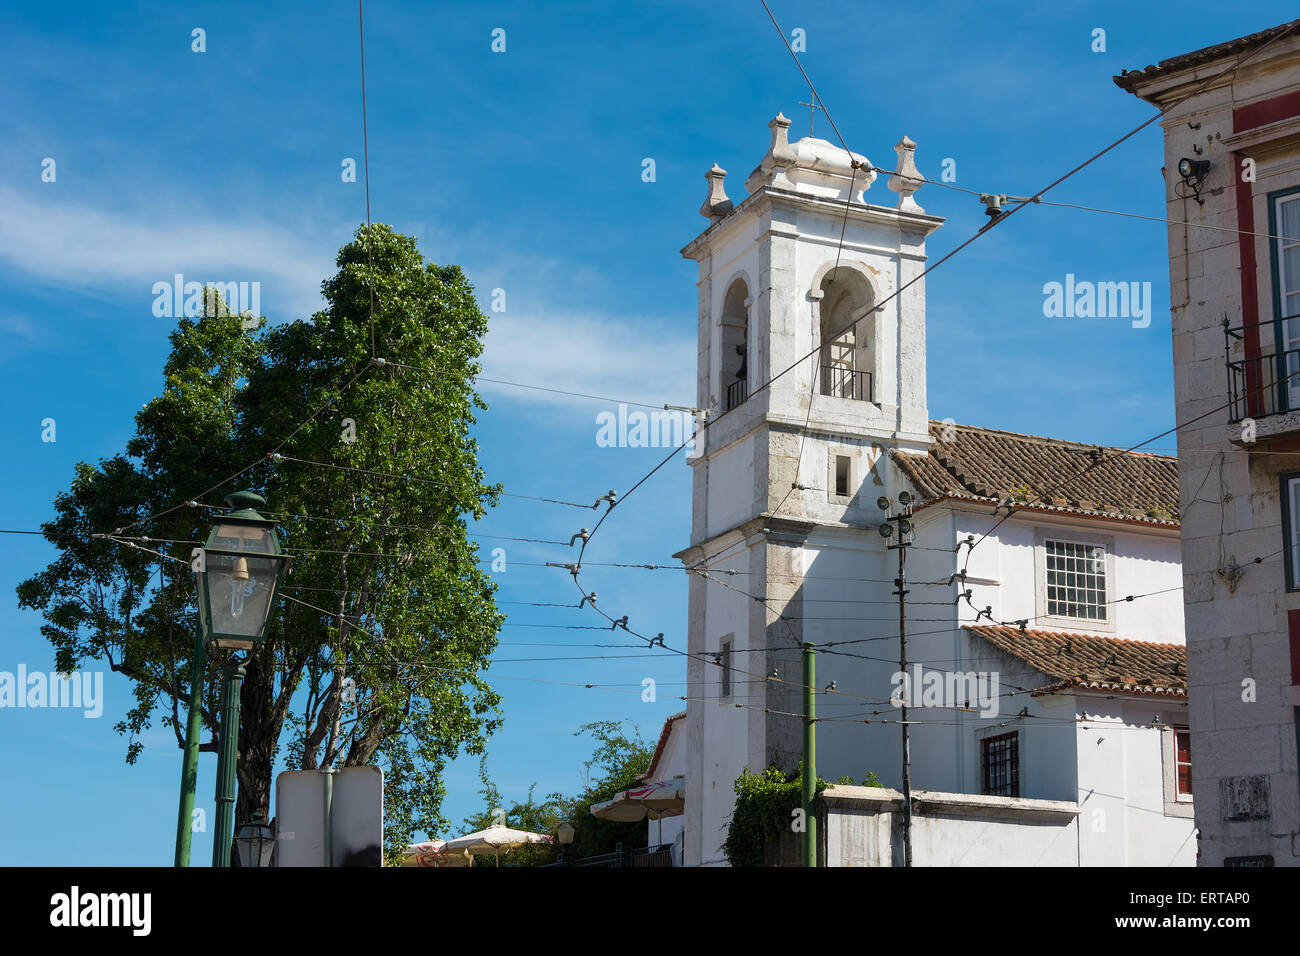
{"points": [[737, 392], [1264, 388], [838, 381]]}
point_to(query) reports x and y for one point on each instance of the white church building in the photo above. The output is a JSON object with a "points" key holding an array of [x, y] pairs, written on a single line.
{"points": [[1048, 720]]}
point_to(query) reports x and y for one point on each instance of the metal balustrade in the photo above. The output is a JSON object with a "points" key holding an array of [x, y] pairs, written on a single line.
{"points": [[1266, 384], [838, 381]]}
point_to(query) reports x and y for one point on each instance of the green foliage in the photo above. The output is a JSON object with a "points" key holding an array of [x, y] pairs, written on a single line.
{"points": [[765, 805], [537, 817], [401, 606], [615, 765]]}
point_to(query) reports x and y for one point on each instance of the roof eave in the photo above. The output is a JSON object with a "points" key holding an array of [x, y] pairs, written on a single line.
{"points": [[1052, 509]]}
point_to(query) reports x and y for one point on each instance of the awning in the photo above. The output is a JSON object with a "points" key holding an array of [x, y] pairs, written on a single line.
{"points": [[659, 798]]}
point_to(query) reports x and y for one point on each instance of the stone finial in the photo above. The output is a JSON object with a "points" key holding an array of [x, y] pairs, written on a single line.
{"points": [[717, 205], [779, 153], [907, 180]]}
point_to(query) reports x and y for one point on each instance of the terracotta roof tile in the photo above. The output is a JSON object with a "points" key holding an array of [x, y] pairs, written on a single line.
{"points": [[1089, 661], [990, 465], [663, 742], [1131, 78]]}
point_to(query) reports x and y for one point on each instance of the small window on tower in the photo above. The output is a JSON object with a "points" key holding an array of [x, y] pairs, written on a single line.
{"points": [[842, 465], [724, 659]]}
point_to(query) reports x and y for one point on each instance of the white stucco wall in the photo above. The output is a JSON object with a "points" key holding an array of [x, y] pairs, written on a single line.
{"points": [[672, 763], [864, 828], [1124, 820], [823, 564]]}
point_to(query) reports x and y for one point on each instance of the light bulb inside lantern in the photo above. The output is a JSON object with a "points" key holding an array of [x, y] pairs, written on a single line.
{"points": [[238, 580]]}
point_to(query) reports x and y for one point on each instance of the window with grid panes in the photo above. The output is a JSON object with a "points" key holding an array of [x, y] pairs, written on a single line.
{"points": [[1183, 761], [1000, 764], [1076, 580], [1286, 275]]}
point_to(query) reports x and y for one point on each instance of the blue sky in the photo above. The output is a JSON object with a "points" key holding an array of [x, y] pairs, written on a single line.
{"points": [[525, 168]]}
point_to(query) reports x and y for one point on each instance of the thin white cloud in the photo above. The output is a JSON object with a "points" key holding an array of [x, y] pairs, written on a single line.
{"points": [[19, 331], [105, 251], [625, 359]]}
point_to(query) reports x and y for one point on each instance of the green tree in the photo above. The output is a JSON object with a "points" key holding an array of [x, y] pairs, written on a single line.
{"points": [[616, 764], [376, 480], [532, 815]]}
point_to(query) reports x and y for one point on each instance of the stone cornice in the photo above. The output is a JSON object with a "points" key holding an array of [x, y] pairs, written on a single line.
{"points": [[921, 224], [774, 528]]}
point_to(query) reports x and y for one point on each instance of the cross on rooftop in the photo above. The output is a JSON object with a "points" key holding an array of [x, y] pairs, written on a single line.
{"points": [[812, 112]]}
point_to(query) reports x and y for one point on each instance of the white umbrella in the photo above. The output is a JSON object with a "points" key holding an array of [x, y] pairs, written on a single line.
{"points": [[657, 799], [433, 853], [493, 840]]}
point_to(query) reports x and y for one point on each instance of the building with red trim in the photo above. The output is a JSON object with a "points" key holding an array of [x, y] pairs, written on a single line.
{"points": [[1231, 169]]}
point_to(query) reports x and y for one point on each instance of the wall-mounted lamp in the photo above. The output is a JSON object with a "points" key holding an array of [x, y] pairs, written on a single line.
{"points": [[1193, 173]]}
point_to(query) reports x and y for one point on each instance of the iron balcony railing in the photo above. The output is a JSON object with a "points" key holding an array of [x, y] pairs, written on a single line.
{"points": [[737, 392], [1265, 384], [624, 856], [841, 382]]}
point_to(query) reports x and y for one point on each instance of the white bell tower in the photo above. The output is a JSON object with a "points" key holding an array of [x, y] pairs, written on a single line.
{"points": [[799, 278]]}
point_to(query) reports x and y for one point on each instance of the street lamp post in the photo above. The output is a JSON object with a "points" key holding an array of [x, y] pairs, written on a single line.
{"points": [[564, 833], [190, 761], [237, 573], [255, 842], [232, 680]]}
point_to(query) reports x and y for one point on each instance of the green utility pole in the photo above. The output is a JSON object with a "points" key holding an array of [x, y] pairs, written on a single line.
{"points": [[232, 680], [809, 756], [190, 763]]}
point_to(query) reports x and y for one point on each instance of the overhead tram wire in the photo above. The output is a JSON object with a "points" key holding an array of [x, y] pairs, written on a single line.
{"points": [[365, 141], [935, 265], [301, 425], [756, 678], [708, 659], [1037, 197], [712, 421], [1010, 212], [1006, 215], [370, 256], [815, 369], [1017, 622], [1082, 208], [641, 566], [429, 481], [536, 388], [1013, 507]]}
